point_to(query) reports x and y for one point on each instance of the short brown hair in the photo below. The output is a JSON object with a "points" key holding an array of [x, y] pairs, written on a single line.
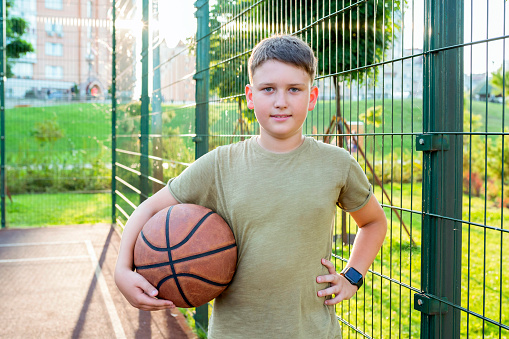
{"points": [[284, 48]]}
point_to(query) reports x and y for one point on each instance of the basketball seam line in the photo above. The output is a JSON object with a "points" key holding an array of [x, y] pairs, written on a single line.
{"points": [[171, 263], [193, 231], [159, 249], [190, 275], [170, 258], [186, 239], [192, 257]]}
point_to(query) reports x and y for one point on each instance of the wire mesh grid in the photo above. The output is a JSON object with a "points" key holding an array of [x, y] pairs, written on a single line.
{"points": [[377, 75], [415, 90]]}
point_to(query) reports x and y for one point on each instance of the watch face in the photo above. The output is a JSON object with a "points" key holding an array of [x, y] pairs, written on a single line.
{"points": [[353, 275]]}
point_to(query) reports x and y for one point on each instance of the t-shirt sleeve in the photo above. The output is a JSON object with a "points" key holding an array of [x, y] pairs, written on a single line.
{"points": [[197, 183], [357, 190]]}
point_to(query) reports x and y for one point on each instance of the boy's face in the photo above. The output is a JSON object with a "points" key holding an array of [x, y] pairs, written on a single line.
{"points": [[281, 95]]}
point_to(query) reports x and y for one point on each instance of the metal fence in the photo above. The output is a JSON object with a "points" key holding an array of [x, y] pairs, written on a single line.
{"points": [[393, 92], [56, 112], [415, 90]]}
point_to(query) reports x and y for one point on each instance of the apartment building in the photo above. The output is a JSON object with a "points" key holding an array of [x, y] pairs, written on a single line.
{"points": [[72, 58], [177, 83]]}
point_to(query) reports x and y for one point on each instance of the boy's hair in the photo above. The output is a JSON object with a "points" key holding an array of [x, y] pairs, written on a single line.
{"points": [[283, 48]]}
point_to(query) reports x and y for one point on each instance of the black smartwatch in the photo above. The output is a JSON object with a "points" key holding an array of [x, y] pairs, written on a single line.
{"points": [[353, 276]]}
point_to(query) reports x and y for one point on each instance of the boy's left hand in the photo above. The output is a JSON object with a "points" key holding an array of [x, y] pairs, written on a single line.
{"points": [[339, 286]]}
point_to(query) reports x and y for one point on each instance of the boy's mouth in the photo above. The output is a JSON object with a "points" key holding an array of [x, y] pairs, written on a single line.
{"points": [[280, 116]]}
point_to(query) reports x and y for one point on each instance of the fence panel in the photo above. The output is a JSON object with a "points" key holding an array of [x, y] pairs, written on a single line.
{"points": [[484, 228], [393, 91], [57, 112], [155, 106], [391, 79]]}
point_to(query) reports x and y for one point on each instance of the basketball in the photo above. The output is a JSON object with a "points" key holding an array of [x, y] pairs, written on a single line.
{"points": [[188, 253]]}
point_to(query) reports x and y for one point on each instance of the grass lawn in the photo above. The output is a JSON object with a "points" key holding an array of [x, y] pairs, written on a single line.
{"points": [[86, 127], [83, 125], [41, 210]]}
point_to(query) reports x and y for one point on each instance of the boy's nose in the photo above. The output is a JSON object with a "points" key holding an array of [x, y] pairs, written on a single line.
{"points": [[281, 100]]}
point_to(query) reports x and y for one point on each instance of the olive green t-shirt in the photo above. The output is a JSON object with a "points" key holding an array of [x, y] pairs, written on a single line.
{"points": [[281, 209]]}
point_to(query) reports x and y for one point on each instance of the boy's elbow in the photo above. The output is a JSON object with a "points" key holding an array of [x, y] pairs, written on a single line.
{"points": [[384, 226]]}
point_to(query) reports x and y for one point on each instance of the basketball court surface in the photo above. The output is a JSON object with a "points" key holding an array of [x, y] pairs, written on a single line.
{"points": [[57, 282]]}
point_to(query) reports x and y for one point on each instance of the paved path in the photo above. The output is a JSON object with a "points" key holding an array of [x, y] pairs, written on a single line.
{"points": [[58, 283]]}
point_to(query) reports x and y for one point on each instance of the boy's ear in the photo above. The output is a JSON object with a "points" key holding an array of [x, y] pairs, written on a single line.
{"points": [[249, 97], [313, 98]]}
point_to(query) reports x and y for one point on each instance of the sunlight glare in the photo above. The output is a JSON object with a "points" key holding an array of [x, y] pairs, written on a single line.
{"points": [[177, 22]]}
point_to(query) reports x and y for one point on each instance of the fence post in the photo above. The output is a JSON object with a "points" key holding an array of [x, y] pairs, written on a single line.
{"points": [[442, 146], [202, 78], [156, 126], [202, 109], [3, 63], [145, 101], [114, 114]]}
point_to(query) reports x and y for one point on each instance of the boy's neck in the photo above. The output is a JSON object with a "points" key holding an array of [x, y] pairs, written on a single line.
{"points": [[275, 145]]}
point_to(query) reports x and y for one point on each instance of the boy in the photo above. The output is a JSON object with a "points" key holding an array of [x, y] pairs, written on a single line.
{"points": [[278, 192]]}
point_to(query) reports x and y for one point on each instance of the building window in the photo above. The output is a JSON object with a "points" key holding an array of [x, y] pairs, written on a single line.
{"points": [[54, 72], [23, 70], [54, 49], [54, 29], [54, 4]]}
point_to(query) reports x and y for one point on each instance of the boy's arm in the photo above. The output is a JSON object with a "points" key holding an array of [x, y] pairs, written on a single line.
{"points": [[136, 289], [368, 241]]}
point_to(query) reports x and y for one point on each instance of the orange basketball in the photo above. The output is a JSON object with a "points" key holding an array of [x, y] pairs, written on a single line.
{"points": [[188, 253]]}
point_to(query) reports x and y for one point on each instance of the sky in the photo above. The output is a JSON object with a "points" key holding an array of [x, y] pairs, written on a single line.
{"points": [[483, 19], [177, 20], [486, 20]]}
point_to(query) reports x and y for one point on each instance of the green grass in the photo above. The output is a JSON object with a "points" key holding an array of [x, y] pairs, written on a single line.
{"points": [[493, 113], [85, 127], [41, 210]]}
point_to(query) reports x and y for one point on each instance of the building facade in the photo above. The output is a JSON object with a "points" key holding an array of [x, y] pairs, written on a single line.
{"points": [[72, 43]]}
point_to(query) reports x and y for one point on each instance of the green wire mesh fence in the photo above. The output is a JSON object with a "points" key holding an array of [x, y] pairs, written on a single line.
{"points": [[415, 90], [56, 134]]}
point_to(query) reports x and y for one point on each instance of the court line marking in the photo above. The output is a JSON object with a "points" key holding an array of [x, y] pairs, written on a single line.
{"points": [[108, 301], [110, 305], [70, 258], [64, 258], [20, 244]]}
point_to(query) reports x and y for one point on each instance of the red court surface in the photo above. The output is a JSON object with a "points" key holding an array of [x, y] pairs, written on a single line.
{"points": [[57, 282]]}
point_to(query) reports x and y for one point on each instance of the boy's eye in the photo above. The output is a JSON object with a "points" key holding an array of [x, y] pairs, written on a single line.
{"points": [[294, 90], [267, 89]]}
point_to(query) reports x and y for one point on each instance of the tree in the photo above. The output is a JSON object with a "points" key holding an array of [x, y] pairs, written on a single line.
{"points": [[500, 82], [228, 72], [348, 37], [16, 46]]}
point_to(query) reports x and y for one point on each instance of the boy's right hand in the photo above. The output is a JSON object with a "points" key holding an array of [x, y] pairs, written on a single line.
{"points": [[139, 292]]}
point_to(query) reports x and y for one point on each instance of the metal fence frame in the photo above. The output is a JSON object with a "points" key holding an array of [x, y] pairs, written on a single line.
{"points": [[438, 296]]}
